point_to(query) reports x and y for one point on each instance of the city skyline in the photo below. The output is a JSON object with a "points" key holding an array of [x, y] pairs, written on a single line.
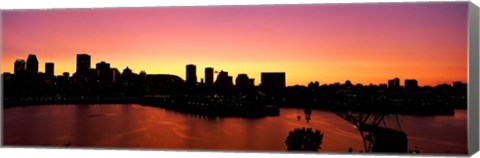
{"points": [[423, 41], [84, 65]]}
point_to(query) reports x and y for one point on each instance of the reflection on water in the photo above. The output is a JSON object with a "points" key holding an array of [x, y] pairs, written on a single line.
{"points": [[135, 126]]}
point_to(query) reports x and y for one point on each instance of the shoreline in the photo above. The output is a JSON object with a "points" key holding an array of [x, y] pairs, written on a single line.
{"points": [[235, 111]]}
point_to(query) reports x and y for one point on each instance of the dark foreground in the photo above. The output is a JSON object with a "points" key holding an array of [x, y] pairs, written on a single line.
{"points": [[231, 108], [131, 126]]}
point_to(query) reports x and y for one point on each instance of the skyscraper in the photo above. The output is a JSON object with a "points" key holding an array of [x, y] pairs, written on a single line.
{"points": [[242, 81], [394, 83], [49, 69], [411, 85], [83, 68], [224, 80], [32, 64], [19, 67], [104, 72], [115, 75], [83, 64], [209, 76], [191, 75]]}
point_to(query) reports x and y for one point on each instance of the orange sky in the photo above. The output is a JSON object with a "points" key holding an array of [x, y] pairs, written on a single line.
{"points": [[364, 43]]}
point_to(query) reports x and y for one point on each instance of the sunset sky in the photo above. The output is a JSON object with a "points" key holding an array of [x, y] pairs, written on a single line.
{"points": [[364, 43]]}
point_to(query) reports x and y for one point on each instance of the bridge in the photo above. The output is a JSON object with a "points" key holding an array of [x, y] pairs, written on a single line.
{"points": [[376, 135]]}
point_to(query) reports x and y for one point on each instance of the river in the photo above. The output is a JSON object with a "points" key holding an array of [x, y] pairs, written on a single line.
{"points": [[134, 126]]}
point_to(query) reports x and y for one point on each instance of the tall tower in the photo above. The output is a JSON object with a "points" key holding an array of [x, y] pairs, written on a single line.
{"points": [[19, 67], [191, 75], [32, 64], [104, 72], [209, 76], [83, 63], [49, 69], [83, 67]]}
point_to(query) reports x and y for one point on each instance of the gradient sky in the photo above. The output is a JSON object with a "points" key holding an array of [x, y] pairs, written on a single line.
{"points": [[364, 43]]}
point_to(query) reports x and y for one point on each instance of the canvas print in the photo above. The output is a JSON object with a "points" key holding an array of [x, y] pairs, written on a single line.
{"points": [[322, 78]]}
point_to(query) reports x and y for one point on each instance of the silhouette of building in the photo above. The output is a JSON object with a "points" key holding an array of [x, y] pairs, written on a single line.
{"points": [[102, 66], [19, 67], [32, 64], [382, 86], [115, 75], [230, 80], [191, 75], [244, 85], [223, 80], [273, 80], [127, 77], [63, 79], [209, 76], [127, 71], [163, 84], [394, 83], [7, 77], [83, 63], [49, 69], [83, 67], [242, 81], [104, 73], [66, 74], [411, 85], [92, 76]]}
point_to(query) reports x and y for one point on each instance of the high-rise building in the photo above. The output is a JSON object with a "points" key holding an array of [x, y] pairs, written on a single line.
{"points": [[115, 75], [224, 80], [19, 68], [394, 83], [209, 76], [32, 64], [104, 72], [273, 80], [242, 81], [49, 69], [127, 79], [191, 75], [83, 64], [411, 85]]}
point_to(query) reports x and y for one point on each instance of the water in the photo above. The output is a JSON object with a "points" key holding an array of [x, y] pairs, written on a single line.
{"points": [[141, 127]]}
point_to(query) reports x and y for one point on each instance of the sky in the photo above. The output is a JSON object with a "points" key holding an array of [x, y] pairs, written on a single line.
{"points": [[363, 43]]}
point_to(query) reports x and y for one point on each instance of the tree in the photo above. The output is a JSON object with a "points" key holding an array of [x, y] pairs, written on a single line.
{"points": [[304, 140]]}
